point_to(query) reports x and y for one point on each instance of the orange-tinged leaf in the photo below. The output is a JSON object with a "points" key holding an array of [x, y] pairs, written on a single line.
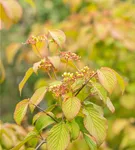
{"points": [[107, 78], [20, 111], [36, 66], [58, 36], [37, 97], [24, 80], [71, 107], [55, 60], [11, 12]]}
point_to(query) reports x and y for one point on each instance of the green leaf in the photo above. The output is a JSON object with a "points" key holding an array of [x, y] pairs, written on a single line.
{"points": [[58, 138], [20, 111], [48, 110], [90, 141], [101, 92], [29, 136], [107, 78], [58, 36], [42, 122], [103, 95], [97, 107], [95, 124], [37, 97], [24, 80], [74, 129], [37, 116], [71, 107]]}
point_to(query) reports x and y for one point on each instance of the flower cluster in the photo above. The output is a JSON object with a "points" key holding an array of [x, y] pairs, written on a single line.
{"points": [[46, 65], [84, 72], [67, 76], [35, 39], [59, 89], [69, 56]]}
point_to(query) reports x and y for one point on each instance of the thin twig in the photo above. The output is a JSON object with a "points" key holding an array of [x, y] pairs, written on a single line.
{"points": [[40, 144], [45, 112], [86, 82]]}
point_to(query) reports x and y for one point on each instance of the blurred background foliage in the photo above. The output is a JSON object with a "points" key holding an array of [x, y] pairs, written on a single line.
{"points": [[101, 31]]}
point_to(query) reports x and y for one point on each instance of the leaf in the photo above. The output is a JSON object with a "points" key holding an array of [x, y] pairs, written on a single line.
{"points": [[110, 105], [11, 12], [20, 110], [43, 121], [107, 78], [29, 136], [31, 3], [97, 107], [101, 92], [24, 80], [90, 141], [37, 97], [11, 51], [103, 95], [74, 129], [58, 138], [95, 124], [2, 72], [58, 36], [36, 116], [120, 81], [36, 66], [55, 60], [71, 107]]}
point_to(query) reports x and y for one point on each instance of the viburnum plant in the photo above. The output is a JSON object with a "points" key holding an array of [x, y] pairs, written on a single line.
{"points": [[72, 92]]}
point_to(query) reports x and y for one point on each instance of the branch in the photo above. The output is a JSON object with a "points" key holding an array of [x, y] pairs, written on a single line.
{"points": [[45, 112], [40, 144], [86, 82]]}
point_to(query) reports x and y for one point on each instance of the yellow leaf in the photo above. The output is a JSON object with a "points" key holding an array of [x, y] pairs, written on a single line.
{"points": [[2, 72], [71, 107], [11, 50], [37, 97], [20, 110], [107, 78], [24, 80]]}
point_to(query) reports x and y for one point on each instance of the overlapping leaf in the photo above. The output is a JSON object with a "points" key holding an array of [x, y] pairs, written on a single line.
{"points": [[43, 121], [74, 129], [58, 36], [37, 97], [95, 124], [58, 138], [90, 141], [20, 110], [29, 136], [71, 107], [102, 93]]}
